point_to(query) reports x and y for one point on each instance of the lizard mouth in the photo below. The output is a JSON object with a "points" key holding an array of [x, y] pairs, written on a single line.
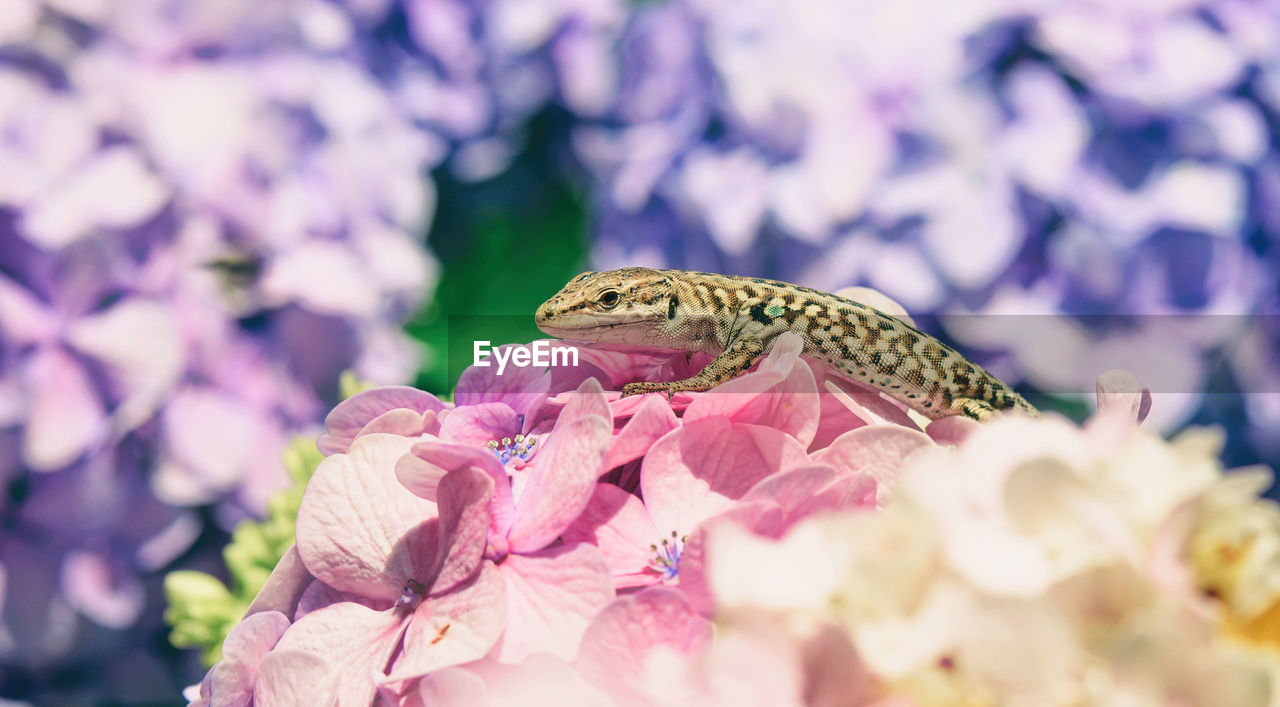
{"points": [[573, 331]]}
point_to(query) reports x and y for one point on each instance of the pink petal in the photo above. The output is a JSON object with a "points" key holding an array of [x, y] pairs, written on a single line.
{"points": [[476, 425], [834, 418], [454, 628], [450, 687], [868, 403], [618, 524], [353, 636], [618, 646], [951, 430], [878, 451], [788, 489], [431, 459], [283, 587], [561, 482], [759, 517], [464, 503], [699, 469], [65, 415], [1120, 394], [552, 596], [403, 422], [354, 524], [781, 394], [651, 420], [292, 677], [231, 681], [351, 415], [625, 363], [844, 493], [541, 680]]}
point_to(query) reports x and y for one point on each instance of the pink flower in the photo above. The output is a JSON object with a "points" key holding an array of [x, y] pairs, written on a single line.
{"points": [[232, 679], [401, 587], [391, 409], [553, 589], [691, 474]]}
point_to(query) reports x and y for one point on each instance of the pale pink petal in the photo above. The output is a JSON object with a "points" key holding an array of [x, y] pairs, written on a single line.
{"points": [[699, 469], [951, 430], [834, 417], [454, 628], [868, 403], [618, 524], [350, 416], [651, 420], [552, 596], [1120, 394], [403, 422], [290, 677], [431, 459], [450, 687], [846, 492], [781, 394], [353, 636], [628, 640], [65, 415], [283, 587], [834, 672], [541, 680], [231, 681], [759, 517], [478, 424], [624, 363], [464, 502], [354, 523], [318, 595], [878, 451], [790, 488], [561, 483]]}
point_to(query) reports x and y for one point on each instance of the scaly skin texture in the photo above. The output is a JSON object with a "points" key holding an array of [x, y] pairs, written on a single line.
{"points": [[737, 319]]}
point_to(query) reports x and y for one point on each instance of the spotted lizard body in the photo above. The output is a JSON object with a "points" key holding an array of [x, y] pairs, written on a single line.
{"points": [[737, 319]]}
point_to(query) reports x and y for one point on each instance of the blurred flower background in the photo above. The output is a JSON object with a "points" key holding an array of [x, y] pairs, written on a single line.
{"points": [[211, 209]]}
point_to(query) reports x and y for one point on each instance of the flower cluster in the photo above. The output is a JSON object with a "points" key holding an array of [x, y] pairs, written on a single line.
{"points": [[193, 197], [1092, 166], [785, 538]]}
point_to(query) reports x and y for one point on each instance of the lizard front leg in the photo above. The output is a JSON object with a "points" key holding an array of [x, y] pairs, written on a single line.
{"points": [[733, 362]]}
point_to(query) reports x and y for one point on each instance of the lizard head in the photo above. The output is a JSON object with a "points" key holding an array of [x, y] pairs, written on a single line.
{"points": [[629, 305]]}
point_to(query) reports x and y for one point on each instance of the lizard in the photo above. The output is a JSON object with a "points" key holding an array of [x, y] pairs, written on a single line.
{"points": [[737, 319]]}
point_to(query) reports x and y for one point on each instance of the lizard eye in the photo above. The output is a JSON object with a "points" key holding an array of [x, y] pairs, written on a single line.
{"points": [[610, 298]]}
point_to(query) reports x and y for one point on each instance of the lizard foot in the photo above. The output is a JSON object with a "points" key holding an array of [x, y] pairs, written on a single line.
{"points": [[975, 409], [651, 387]]}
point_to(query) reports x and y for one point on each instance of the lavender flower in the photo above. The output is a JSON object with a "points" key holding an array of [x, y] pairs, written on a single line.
{"points": [[1091, 167], [208, 211]]}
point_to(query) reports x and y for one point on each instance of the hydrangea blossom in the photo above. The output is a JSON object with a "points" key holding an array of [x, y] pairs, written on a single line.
{"points": [[725, 545], [190, 199], [1089, 167]]}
